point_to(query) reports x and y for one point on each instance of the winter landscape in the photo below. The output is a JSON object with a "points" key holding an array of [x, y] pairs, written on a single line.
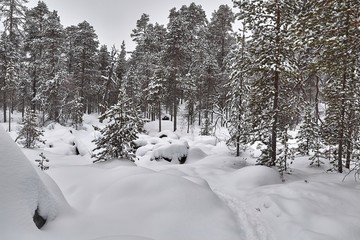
{"points": [[201, 132]]}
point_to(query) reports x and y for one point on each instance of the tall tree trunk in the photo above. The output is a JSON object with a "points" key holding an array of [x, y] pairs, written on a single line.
{"points": [[159, 114], [274, 127], [175, 113], [4, 103]]}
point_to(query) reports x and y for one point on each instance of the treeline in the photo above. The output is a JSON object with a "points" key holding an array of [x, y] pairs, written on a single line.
{"points": [[293, 62], [299, 64]]}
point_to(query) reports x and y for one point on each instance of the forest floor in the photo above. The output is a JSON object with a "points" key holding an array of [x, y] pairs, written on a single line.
{"points": [[213, 196]]}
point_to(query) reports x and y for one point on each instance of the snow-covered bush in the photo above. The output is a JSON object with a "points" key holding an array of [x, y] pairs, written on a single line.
{"points": [[176, 152]]}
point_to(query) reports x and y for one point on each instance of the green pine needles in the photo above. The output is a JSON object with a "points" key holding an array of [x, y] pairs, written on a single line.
{"points": [[123, 125]]}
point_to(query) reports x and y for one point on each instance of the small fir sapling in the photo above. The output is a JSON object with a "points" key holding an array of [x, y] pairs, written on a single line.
{"points": [[29, 134], [41, 162]]}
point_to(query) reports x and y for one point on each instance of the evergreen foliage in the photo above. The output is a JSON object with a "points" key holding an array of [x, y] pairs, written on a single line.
{"points": [[289, 59], [41, 162], [123, 125], [29, 134]]}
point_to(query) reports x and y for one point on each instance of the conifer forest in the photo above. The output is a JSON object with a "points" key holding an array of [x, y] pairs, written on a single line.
{"points": [[238, 124], [290, 64]]}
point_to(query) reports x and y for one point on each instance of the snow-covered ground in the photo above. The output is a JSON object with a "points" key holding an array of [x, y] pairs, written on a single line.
{"points": [[213, 196]]}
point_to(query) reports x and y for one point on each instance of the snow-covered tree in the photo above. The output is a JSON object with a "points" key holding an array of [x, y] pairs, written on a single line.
{"points": [[121, 67], [12, 15], [333, 33], [122, 126], [73, 111], [29, 134], [186, 32], [271, 102], [239, 89], [82, 63], [285, 154], [221, 39]]}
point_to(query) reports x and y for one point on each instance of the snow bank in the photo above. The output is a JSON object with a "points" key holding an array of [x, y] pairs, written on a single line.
{"points": [[136, 201], [24, 190], [122, 238], [252, 177], [309, 211], [220, 161], [195, 154]]}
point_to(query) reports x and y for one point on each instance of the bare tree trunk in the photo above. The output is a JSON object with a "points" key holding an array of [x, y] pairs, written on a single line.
{"points": [[175, 113], [159, 113]]}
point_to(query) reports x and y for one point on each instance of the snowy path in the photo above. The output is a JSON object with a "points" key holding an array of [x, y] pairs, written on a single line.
{"points": [[250, 222]]}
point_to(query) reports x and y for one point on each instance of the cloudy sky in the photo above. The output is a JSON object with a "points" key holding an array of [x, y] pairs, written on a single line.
{"points": [[113, 20]]}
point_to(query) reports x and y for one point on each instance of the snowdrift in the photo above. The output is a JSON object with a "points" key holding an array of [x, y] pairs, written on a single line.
{"points": [[135, 201], [24, 190]]}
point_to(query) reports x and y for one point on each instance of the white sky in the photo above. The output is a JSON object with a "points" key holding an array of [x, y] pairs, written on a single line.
{"points": [[113, 20]]}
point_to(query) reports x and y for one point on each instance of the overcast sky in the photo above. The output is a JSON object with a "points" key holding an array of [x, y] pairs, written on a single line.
{"points": [[113, 20]]}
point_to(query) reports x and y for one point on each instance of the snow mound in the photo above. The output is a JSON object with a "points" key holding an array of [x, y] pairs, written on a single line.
{"points": [[252, 177], [210, 140], [313, 210], [167, 134], [140, 142], [195, 154], [123, 238], [23, 191], [222, 161], [141, 202]]}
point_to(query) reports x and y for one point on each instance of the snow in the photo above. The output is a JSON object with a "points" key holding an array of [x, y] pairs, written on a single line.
{"points": [[172, 152], [23, 190], [213, 196]]}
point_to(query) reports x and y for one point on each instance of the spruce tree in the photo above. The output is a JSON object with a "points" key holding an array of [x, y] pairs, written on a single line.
{"points": [[29, 134], [123, 125], [309, 138]]}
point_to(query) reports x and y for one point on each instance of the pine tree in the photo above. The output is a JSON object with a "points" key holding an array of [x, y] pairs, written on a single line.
{"points": [[53, 90], [35, 50], [239, 87], [221, 40], [82, 62], [186, 32], [73, 111], [333, 32], [271, 99], [121, 67], [12, 14], [29, 134], [123, 125]]}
